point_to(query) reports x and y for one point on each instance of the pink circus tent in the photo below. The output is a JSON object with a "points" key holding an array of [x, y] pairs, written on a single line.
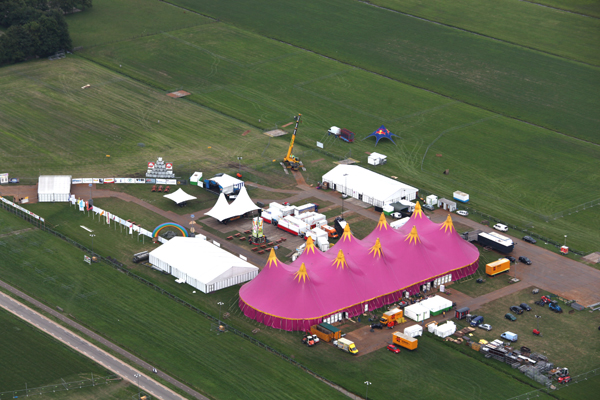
{"points": [[356, 275]]}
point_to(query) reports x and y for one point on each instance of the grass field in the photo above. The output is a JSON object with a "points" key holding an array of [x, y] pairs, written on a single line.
{"points": [[524, 84], [9, 224], [471, 288], [133, 315], [113, 20], [565, 34], [116, 391], [258, 81], [29, 356], [586, 7]]}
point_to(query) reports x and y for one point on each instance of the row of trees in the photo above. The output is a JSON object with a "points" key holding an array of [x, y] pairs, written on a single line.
{"points": [[35, 28]]}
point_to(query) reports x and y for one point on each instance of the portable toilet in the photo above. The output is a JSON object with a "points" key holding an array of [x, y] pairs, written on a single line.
{"points": [[461, 313], [196, 179]]}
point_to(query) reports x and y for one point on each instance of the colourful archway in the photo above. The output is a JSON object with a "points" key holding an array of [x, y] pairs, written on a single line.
{"points": [[170, 225]]}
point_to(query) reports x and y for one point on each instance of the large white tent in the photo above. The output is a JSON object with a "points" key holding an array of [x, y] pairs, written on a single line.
{"points": [[227, 184], [368, 186], [54, 188], [180, 196], [240, 206], [201, 264]]}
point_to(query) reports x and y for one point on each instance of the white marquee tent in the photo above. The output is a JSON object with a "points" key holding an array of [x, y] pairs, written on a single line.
{"points": [[179, 196], [54, 188], [201, 264], [368, 186], [228, 184], [240, 206]]}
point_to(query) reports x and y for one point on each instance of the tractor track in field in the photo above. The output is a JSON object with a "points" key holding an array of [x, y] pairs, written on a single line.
{"points": [[559, 9]]}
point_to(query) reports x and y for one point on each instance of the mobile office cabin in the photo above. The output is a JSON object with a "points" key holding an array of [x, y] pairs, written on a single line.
{"points": [[417, 312], [431, 200], [196, 179], [497, 267], [414, 331], [513, 337], [326, 332], [376, 159], [405, 341], [446, 204], [462, 313], [461, 196], [496, 241]]}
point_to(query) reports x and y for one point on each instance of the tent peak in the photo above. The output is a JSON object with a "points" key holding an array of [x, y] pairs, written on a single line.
{"points": [[448, 225], [382, 222], [310, 245], [418, 212], [347, 233], [340, 260], [376, 249], [272, 260], [302, 274], [413, 235]]}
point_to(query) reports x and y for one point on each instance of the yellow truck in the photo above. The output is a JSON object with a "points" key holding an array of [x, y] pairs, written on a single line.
{"points": [[347, 345], [393, 317], [497, 267], [405, 341]]}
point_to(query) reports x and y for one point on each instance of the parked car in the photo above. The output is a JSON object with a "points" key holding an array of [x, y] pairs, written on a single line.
{"points": [[501, 227], [377, 325], [525, 260], [525, 306], [511, 259], [429, 207], [396, 215], [486, 327], [463, 213], [393, 348], [476, 321], [509, 316], [516, 309], [529, 239]]}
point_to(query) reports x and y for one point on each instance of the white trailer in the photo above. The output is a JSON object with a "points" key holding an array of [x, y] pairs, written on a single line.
{"points": [[414, 331], [293, 225], [399, 223]]}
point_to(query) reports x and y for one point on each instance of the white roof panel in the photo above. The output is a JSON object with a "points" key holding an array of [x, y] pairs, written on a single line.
{"points": [[51, 184], [179, 196]]}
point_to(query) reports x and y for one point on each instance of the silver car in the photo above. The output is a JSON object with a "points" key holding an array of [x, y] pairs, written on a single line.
{"points": [[486, 327]]}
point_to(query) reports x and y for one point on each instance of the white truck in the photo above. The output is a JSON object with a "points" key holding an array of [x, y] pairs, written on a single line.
{"points": [[293, 225], [347, 345]]}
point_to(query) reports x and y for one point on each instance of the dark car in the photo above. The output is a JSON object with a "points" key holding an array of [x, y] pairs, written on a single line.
{"points": [[525, 306], [516, 309], [510, 317], [525, 260], [511, 259], [529, 239], [377, 325]]}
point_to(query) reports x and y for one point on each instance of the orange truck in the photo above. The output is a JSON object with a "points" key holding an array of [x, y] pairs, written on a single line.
{"points": [[331, 232], [326, 332], [497, 267], [405, 341], [393, 317]]}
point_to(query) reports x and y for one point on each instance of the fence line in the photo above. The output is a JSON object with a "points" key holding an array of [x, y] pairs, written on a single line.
{"points": [[37, 391], [122, 268]]}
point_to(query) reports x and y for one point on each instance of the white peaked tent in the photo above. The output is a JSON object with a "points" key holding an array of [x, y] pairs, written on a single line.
{"points": [[179, 196], [201, 264], [240, 206]]}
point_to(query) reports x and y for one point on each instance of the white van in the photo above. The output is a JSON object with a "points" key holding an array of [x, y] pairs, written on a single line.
{"points": [[513, 337]]}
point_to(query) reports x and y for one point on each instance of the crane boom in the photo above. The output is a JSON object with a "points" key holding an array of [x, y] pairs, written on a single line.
{"points": [[289, 159]]}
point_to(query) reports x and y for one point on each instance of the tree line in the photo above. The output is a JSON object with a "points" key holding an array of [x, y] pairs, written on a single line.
{"points": [[35, 28]]}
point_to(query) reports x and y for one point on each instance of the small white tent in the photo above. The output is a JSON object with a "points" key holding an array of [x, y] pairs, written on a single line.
{"points": [[240, 206], [227, 184], [54, 188], [179, 196], [201, 264]]}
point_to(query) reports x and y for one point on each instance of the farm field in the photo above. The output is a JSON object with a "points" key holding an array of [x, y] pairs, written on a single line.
{"points": [[29, 356], [114, 20], [133, 315], [436, 133], [564, 34], [510, 80], [586, 7]]}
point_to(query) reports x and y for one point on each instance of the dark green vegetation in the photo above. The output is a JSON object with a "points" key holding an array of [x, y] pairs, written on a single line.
{"points": [[567, 339], [568, 35], [586, 7], [133, 315], [29, 356], [545, 90]]}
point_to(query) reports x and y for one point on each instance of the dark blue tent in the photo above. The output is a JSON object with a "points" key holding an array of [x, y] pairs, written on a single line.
{"points": [[382, 133]]}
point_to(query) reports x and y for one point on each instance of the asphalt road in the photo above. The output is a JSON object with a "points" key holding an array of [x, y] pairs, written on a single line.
{"points": [[146, 383]]}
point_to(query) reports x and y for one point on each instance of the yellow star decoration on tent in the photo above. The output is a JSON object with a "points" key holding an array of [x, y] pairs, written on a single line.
{"points": [[447, 225], [310, 245], [302, 274], [272, 259], [376, 249], [413, 235], [340, 260], [347, 233], [382, 222], [418, 211]]}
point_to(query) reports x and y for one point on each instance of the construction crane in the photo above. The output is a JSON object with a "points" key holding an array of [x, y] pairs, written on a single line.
{"points": [[290, 161]]}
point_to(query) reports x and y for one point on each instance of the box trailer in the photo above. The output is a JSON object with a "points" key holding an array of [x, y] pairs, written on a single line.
{"points": [[344, 134], [461, 196], [414, 331], [326, 332], [496, 242], [293, 225], [405, 341], [497, 267], [347, 345], [462, 313], [310, 207]]}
